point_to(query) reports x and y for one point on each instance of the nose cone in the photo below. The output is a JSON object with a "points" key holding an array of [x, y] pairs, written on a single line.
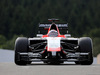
{"points": [[54, 55], [53, 44]]}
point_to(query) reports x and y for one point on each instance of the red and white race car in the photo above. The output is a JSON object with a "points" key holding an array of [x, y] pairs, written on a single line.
{"points": [[53, 47]]}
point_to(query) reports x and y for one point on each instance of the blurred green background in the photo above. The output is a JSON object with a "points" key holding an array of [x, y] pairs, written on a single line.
{"points": [[21, 18]]}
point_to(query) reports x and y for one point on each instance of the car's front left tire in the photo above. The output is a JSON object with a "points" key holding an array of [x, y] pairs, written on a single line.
{"points": [[21, 45]]}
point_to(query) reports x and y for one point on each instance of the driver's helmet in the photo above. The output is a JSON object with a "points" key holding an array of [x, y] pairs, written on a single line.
{"points": [[53, 33]]}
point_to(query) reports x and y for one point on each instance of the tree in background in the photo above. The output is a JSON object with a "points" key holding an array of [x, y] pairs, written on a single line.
{"points": [[22, 16]]}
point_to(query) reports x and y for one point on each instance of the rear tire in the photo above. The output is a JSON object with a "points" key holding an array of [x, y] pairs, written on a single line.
{"points": [[21, 45], [85, 45]]}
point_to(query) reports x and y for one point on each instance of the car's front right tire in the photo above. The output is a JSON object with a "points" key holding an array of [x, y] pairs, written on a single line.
{"points": [[85, 45]]}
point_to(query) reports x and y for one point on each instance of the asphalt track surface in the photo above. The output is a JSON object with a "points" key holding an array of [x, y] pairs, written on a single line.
{"points": [[8, 67], [44, 69]]}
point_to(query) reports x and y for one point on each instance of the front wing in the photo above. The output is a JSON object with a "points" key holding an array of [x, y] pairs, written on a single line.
{"points": [[37, 57]]}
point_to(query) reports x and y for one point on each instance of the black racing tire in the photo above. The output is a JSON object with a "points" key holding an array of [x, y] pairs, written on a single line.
{"points": [[85, 45], [21, 45]]}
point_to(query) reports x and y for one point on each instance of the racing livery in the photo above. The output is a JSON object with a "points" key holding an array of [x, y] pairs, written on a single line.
{"points": [[53, 47]]}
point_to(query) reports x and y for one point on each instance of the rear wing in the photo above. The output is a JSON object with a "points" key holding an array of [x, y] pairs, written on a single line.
{"points": [[63, 28], [60, 26]]}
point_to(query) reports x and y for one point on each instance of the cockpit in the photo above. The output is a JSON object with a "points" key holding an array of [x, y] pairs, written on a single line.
{"points": [[53, 31]]}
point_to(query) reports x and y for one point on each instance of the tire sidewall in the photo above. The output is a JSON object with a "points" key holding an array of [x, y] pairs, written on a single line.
{"points": [[21, 45], [85, 45]]}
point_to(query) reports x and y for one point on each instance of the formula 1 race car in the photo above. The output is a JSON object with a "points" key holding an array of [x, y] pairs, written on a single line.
{"points": [[53, 47]]}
